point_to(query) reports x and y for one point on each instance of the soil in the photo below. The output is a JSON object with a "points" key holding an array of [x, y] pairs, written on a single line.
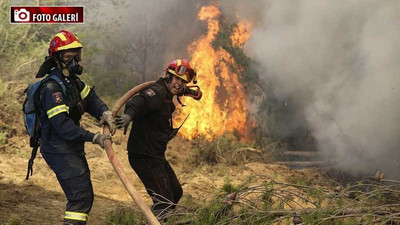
{"points": [[40, 199]]}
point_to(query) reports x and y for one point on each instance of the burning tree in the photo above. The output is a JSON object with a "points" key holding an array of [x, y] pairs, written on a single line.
{"points": [[223, 107]]}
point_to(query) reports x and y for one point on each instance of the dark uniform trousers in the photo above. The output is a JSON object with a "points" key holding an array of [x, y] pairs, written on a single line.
{"points": [[160, 181], [73, 174]]}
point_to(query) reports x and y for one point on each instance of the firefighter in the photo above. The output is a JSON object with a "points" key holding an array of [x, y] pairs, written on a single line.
{"points": [[151, 113], [62, 139]]}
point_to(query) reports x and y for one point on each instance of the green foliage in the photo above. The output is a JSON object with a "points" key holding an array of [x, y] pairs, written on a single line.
{"points": [[340, 202], [17, 221], [3, 88], [122, 81], [14, 222], [228, 187], [212, 213], [22, 47], [312, 217], [3, 137], [101, 62], [123, 216], [22, 50], [272, 203], [267, 195], [247, 74]]}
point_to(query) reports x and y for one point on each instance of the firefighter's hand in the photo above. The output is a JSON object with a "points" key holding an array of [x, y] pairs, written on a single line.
{"points": [[100, 139], [122, 121], [198, 95], [107, 118]]}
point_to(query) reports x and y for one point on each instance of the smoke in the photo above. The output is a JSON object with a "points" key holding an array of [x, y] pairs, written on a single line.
{"points": [[137, 38], [176, 21], [338, 62]]}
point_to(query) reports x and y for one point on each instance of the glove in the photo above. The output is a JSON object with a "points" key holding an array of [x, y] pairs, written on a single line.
{"points": [[107, 118], [100, 139], [123, 121], [196, 94]]}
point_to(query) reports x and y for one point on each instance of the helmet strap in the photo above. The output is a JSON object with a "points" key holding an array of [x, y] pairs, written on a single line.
{"points": [[61, 64]]}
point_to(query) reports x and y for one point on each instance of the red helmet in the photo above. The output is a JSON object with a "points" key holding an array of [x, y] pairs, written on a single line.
{"points": [[183, 70], [64, 40]]}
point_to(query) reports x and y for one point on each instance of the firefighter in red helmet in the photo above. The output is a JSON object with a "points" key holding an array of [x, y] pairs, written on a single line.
{"points": [[151, 113], [183, 70], [64, 98]]}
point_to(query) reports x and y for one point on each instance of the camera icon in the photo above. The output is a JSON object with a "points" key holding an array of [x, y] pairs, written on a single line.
{"points": [[21, 15]]}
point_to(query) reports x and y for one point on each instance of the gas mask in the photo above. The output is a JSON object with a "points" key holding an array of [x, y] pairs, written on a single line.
{"points": [[72, 67]]}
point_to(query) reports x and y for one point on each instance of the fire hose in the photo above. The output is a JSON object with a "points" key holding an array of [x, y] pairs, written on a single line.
{"points": [[117, 166]]}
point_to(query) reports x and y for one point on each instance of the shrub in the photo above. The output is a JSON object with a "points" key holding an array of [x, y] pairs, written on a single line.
{"points": [[3, 138], [226, 149], [3, 88], [123, 216]]}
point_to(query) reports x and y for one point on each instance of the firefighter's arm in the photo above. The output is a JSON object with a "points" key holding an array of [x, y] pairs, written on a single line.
{"points": [[94, 105], [134, 108], [57, 111], [147, 101]]}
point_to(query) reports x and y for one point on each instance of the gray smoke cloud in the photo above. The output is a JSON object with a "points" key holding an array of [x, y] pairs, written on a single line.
{"points": [[147, 35], [339, 62]]}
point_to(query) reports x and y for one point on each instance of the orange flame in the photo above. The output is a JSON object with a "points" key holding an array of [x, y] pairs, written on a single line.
{"points": [[223, 106], [241, 33]]}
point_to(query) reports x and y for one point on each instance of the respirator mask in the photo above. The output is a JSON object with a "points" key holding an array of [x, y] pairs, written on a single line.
{"points": [[73, 67]]}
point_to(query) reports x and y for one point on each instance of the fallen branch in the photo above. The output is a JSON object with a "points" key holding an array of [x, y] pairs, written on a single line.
{"points": [[247, 149]]}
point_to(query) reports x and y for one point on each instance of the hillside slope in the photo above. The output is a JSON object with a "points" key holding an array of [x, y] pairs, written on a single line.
{"points": [[27, 201]]}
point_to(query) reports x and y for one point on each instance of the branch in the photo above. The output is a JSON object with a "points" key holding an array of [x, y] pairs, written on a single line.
{"points": [[380, 211], [247, 149], [23, 36], [23, 64]]}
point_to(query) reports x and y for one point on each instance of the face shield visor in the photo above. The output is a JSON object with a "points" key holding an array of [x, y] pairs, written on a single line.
{"points": [[186, 73]]}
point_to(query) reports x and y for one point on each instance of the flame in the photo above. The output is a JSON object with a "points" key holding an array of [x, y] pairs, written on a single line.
{"points": [[241, 33], [223, 105]]}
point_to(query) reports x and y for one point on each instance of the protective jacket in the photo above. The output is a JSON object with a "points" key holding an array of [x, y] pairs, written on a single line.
{"points": [[60, 114], [151, 111]]}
